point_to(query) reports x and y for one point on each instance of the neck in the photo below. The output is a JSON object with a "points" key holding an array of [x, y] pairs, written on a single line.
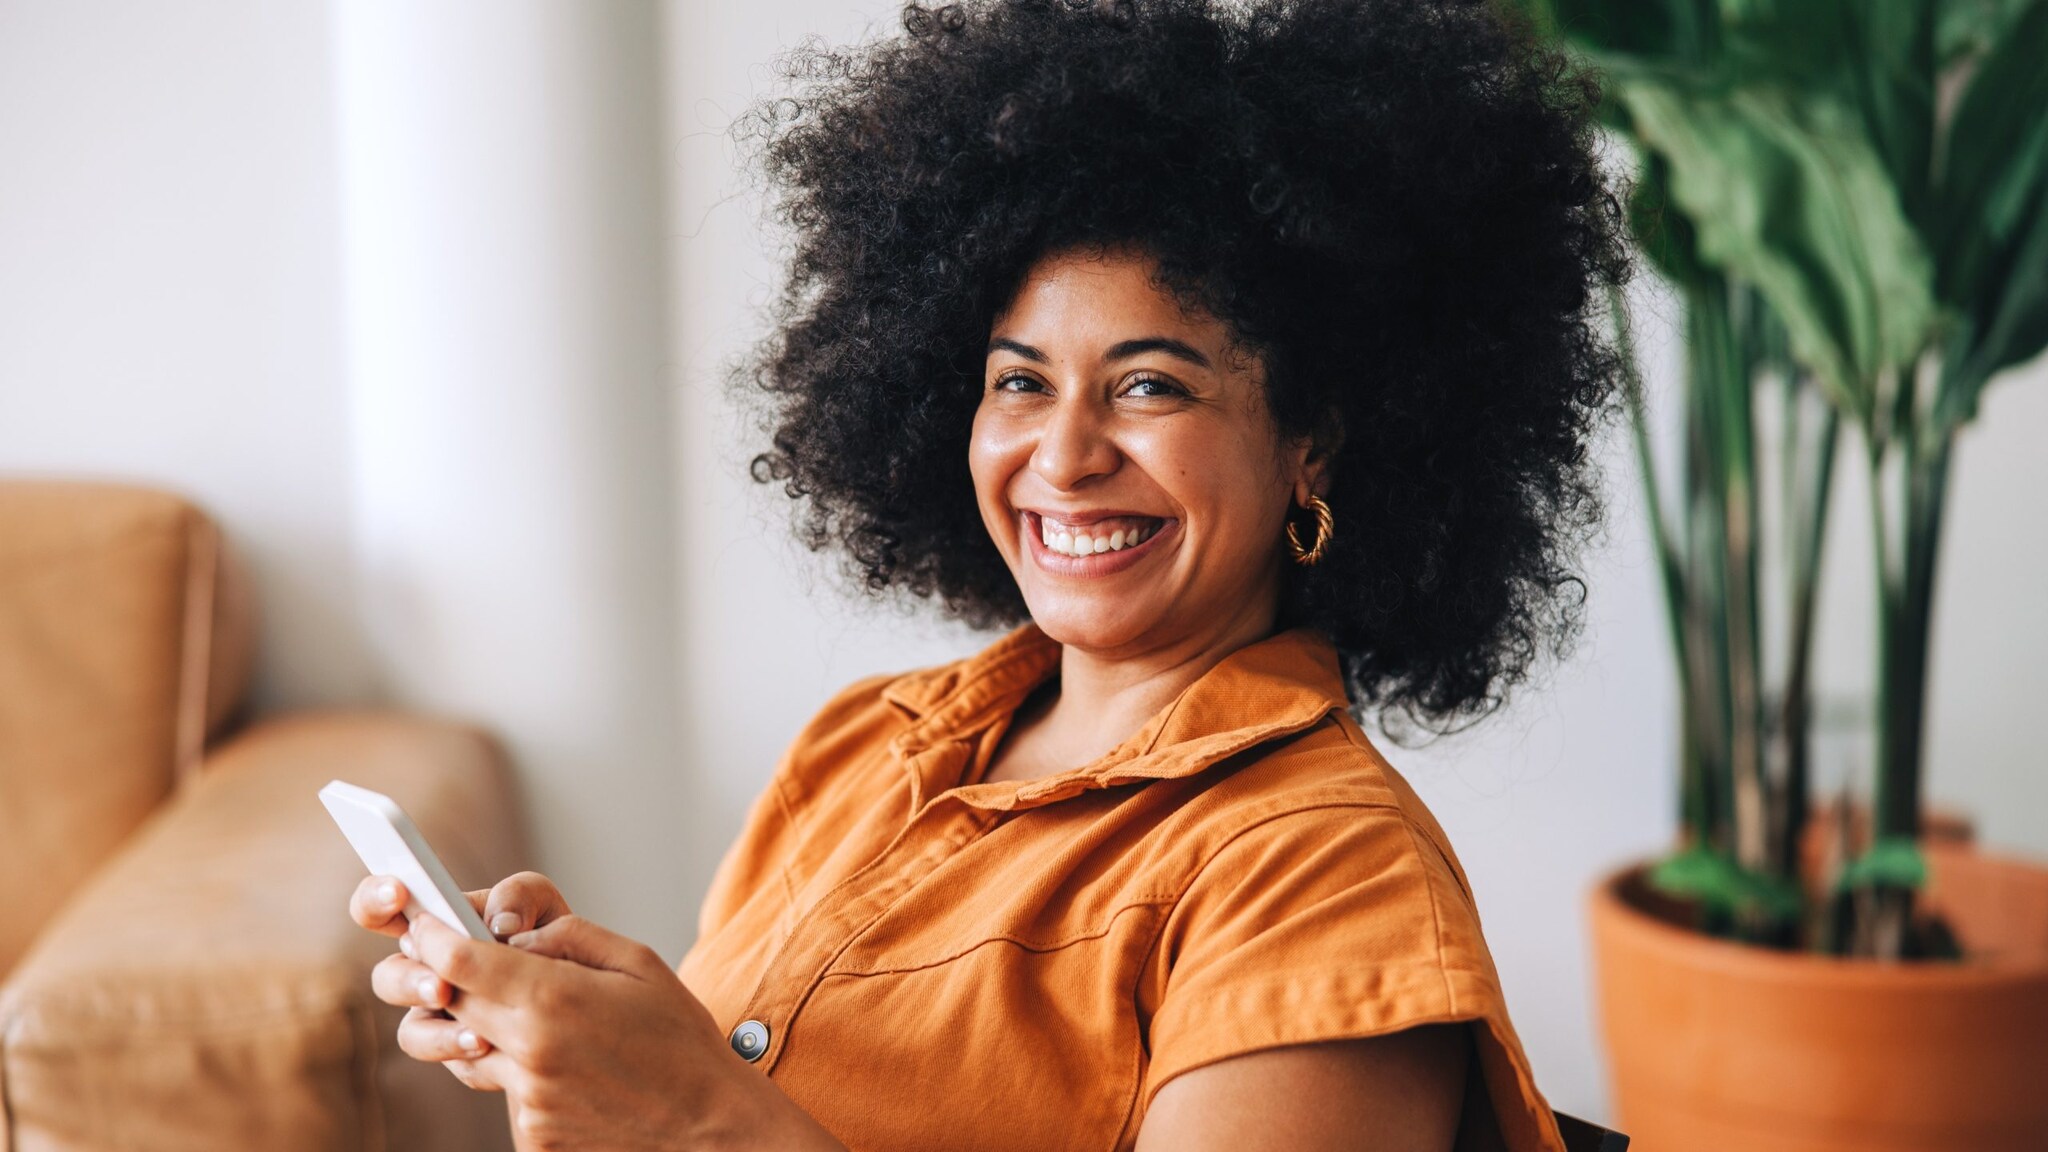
{"points": [[1106, 696]]}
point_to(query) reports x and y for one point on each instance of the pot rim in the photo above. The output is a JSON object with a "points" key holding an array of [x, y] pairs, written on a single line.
{"points": [[1610, 912]]}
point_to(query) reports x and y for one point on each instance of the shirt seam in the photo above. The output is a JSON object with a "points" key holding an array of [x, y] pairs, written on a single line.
{"points": [[796, 839], [1262, 821], [1436, 922], [1046, 948], [1414, 829], [1449, 1015], [811, 984]]}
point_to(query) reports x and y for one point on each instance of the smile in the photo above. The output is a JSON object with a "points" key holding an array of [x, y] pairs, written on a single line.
{"points": [[1111, 535], [1098, 547]]}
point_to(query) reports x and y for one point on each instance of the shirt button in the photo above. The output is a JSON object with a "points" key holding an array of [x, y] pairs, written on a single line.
{"points": [[750, 1040]]}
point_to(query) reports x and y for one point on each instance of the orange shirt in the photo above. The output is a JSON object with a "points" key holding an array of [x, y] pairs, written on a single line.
{"points": [[923, 962]]}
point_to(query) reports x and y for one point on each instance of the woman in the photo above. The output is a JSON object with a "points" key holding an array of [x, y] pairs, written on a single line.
{"points": [[1243, 362]]}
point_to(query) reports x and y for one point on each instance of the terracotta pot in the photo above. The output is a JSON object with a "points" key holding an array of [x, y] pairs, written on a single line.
{"points": [[1714, 1045]]}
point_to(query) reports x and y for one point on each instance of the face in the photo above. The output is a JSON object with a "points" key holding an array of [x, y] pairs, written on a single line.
{"points": [[1126, 462]]}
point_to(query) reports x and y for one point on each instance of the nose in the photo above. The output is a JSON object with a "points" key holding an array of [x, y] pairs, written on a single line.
{"points": [[1074, 444]]}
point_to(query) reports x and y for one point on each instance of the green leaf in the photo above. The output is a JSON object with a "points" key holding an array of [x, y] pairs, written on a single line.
{"points": [[1988, 235], [1694, 874], [1895, 90], [1714, 880], [1966, 28], [1892, 862], [1769, 39], [1790, 196], [1654, 29], [1876, 56], [1660, 229]]}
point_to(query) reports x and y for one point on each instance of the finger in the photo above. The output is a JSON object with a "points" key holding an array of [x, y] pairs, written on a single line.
{"points": [[379, 905], [487, 977], [489, 1073], [521, 902], [494, 1071], [591, 945], [425, 1036], [409, 984]]}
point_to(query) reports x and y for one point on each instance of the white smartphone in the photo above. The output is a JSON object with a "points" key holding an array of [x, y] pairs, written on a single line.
{"points": [[391, 845]]}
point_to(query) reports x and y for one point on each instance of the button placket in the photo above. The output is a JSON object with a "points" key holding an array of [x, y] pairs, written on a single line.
{"points": [[842, 915]]}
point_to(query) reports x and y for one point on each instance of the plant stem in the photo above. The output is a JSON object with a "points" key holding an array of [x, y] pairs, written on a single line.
{"points": [[1745, 657], [1723, 389], [1807, 523], [1881, 932], [1928, 490]]}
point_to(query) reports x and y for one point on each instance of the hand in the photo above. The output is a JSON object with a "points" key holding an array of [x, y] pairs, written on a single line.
{"points": [[598, 1044], [518, 903]]}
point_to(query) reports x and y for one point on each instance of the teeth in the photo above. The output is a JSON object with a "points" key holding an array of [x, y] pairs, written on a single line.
{"points": [[1060, 540]]}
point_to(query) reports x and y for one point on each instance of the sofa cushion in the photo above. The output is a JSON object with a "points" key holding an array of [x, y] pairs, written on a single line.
{"points": [[125, 638], [207, 990]]}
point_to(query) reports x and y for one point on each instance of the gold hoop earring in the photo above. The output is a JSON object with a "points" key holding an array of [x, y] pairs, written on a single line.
{"points": [[1325, 529]]}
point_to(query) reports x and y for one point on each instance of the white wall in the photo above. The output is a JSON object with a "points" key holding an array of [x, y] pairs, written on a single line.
{"points": [[384, 286], [506, 324], [169, 297]]}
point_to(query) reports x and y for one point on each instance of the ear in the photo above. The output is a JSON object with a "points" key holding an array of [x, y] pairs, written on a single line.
{"points": [[1312, 456]]}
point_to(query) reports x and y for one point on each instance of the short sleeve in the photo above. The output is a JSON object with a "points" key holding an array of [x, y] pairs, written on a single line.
{"points": [[1327, 924]]}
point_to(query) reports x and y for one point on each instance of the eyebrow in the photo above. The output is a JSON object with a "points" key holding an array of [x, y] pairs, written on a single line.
{"points": [[1120, 351]]}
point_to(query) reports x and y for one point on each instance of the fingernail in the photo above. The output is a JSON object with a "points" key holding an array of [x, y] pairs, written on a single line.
{"points": [[469, 1042], [430, 990], [505, 923], [387, 893], [405, 945]]}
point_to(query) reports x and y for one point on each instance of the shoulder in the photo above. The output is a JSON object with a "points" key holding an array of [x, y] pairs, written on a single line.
{"points": [[858, 712], [854, 725], [1325, 902], [1320, 851], [858, 720], [1330, 906], [1331, 784]]}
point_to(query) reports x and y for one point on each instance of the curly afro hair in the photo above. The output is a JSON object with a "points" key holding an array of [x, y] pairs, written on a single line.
{"points": [[1405, 184]]}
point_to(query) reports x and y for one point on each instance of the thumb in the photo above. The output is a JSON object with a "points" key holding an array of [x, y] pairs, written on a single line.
{"points": [[580, 941]]}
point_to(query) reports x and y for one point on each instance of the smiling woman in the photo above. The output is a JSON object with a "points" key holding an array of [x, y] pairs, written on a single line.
{"points": [[1239, 357]]}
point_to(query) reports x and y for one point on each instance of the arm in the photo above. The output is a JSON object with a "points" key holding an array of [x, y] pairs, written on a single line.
{"points": [[1396, 1093]]}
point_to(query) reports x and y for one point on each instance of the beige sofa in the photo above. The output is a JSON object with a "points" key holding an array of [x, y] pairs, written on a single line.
{"points": [[177, 968]]}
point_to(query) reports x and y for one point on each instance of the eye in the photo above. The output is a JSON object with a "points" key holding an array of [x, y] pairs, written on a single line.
{"points": [[1016, 382], [1151, 386]]}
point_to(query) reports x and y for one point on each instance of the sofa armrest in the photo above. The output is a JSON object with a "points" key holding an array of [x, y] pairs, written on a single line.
{"points": [[206, 988]]}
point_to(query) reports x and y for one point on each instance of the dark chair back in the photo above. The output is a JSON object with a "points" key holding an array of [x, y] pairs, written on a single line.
{"points": [[1582, 1136]]}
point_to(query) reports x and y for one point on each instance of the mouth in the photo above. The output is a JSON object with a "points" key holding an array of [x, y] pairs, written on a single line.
{"points": [[1098, 546]]}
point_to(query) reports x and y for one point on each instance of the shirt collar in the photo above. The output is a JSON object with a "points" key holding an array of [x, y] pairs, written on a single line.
{"points": [[1277, 686]]}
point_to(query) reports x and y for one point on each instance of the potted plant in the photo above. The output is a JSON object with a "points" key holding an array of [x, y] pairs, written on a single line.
{"points": [[1850, 198]]}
